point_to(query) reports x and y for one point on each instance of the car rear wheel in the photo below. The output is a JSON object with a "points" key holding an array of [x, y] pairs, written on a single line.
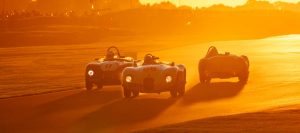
{"points": [[244, 78], [246, 59], [202, 80], [207, 81], [127, 92], [100, 86], [201, 70]]}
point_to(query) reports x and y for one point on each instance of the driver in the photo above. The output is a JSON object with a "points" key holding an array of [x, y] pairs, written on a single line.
{"points": [[109, 56], [212, 52], [148, 60]]}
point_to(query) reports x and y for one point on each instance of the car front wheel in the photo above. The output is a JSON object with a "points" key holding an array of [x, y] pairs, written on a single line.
{"points": [[135, 92], [173, 92], [127, 92], [181, 89], [88, 85]]}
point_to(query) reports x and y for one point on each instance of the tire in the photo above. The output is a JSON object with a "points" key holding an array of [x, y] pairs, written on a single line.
{"points": [[181, 89], [203, 79], [202, 76], [88, 85], [173, 92], [100, 86], [244, 78], [127, 92], [207, 81], [135, 92], [246, 59]]}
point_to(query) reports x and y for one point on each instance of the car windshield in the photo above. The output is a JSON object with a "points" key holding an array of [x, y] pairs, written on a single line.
{"points": [[157, 62], [126, 59], [153, 62]]}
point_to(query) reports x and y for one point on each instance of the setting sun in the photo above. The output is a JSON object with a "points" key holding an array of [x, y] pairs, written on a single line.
{"points": [[206, 3]]}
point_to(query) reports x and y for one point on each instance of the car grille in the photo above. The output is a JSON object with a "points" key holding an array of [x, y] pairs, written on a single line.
{"points": [[148, 84]]}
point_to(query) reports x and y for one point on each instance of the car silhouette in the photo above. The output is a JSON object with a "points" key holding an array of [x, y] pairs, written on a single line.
{"points": [[215, 65], [153, 76], [107, 70]]}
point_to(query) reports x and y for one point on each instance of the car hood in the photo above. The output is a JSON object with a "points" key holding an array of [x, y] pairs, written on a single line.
{"points": [[107, 65], [152, 70]]}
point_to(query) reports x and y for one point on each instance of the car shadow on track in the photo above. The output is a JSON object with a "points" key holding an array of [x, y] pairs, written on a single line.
{"points": [[59, 114], [80, 100], [124, 112], [212, 91]]}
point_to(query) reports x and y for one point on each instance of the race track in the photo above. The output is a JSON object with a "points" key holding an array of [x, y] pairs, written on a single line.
{"points": [[273, 82]]}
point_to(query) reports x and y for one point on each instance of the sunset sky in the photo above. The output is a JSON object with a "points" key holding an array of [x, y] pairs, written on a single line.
{"points": [[205, 3], [82, 5]]}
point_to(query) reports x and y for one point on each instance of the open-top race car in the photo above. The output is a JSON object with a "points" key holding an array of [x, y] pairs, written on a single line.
{"points": [[153, 76], [215, 65], [107, 70]]}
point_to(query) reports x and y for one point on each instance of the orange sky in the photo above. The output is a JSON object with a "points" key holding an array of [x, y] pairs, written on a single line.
{"points": [[82, 5], [205, 3]]}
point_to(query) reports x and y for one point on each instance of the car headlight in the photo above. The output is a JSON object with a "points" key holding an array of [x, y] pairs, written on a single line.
{"points": [[128, 79], [169, 79], [91, 73]]}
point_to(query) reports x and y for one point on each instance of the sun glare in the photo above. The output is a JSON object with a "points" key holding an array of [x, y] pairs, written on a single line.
{"points": [[206, 3]]}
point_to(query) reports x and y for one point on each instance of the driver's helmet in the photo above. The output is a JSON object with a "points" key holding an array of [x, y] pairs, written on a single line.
{"points": [[212, 52], [148, 59], [109, 55]]}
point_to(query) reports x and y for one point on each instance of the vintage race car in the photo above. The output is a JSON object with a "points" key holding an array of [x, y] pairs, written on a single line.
{"points": [[215, 65], [107, 70], [153, 76]]}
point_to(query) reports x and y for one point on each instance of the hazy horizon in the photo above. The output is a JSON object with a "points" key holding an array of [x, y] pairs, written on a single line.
{"points": [[202, 3], [83, 5]]}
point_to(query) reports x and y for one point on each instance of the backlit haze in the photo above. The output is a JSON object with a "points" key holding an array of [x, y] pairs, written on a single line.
{"points": [[83, 5], [206, 3]]}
